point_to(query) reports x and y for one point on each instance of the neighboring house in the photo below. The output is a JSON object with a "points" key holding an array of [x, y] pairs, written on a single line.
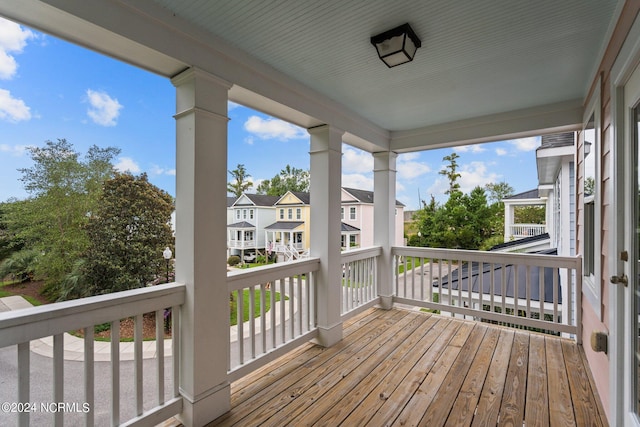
{"points": [[356, 212], [251, 213], [288, 236], [555, 192]]}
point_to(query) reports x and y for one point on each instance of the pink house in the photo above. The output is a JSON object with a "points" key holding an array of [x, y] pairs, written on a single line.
{"points": [[356, 212]]}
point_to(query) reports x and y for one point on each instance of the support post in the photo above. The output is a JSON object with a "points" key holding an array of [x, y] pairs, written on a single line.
{"points": [[384, 208], [326, 169], [201, 176]]}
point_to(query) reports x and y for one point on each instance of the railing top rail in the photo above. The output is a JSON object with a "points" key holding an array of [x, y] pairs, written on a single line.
{"points": [[491, 257], [362, 253], [42, 321], [239, 279]]}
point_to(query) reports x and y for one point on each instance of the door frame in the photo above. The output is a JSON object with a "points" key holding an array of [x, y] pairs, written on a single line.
{"points": [[620, 349]]}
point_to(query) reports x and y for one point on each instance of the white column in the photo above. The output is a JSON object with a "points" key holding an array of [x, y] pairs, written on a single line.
{"points": [[326, 169], [384, 221], [201, 177]]}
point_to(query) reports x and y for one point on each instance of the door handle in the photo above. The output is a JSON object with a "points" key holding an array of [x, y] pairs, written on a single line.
{"points": [[622, 279]]}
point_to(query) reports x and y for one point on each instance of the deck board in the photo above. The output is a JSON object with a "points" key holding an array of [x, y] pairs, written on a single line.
{"points": [[401, 367]]}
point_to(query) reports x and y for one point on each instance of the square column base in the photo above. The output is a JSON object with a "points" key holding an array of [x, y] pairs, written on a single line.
{"points": [[328, 337], [386, 302], [206, 409]]}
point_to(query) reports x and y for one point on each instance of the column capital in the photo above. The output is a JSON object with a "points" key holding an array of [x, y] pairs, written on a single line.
{"points": [[193, 73], [384, 161], [325, 138]]}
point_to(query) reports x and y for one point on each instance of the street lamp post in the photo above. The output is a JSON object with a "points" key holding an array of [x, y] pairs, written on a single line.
{"points": [[166, 254]]}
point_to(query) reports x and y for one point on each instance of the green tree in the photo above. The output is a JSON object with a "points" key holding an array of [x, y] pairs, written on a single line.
{"points": [[127, 233], [497, 191], [64, 188], [239, 184], [450, 172], [529, 215], [289, 179]]}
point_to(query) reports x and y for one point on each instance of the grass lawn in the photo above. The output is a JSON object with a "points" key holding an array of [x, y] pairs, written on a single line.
{"points": [[412, 263], [233, 318]]}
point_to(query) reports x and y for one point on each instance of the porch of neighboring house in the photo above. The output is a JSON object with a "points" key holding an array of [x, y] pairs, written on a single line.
{"points": [[407, 367], [514, 230]]}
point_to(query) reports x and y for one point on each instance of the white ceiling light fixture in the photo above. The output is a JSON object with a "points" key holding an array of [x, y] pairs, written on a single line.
{"points": [[397, 46]]}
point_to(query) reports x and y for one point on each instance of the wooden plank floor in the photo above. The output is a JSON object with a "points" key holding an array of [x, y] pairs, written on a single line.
{"points": [[401, 367]]}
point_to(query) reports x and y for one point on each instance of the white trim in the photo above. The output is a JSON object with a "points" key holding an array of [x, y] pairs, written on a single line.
{"points": [[592, 284]]}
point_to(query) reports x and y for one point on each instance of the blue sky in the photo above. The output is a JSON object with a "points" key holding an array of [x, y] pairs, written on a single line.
{"points": [[51, 89]]}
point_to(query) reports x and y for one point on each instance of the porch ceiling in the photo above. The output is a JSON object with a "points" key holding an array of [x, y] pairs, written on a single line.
{"points": [[311, 62]]}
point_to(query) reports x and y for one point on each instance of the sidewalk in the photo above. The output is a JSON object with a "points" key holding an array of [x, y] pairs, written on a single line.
{"points": [[74, 346]]}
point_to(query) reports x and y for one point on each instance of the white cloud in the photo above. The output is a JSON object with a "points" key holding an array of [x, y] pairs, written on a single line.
{"points": [[473, 148], [501, 152], [472, 175], [475, 174], [13, 109], [357, 180], [408, 168], [127, 164], [356, 161], [273, 129], [13, 39], [526, 144], [15, 150], [157, 170], [104, 109]]}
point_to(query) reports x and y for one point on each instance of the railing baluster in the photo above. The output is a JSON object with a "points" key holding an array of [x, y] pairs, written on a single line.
{"points": [[503, 289], [137, 371], [160, 320], [470, 284], [283, 318], [460, 267], [252, 320], [175, 349], [492, 286], [24, 370], [515, 289], [541, 292], [240, 323], [299, 293], [556, 318], [272, 313], [263, 317], [115, 372], [404, 272], [528, 285], [89, 375], [58, 375], [291, 308]]}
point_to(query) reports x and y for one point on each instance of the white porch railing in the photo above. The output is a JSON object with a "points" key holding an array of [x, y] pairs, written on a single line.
{"points": [[525, 290], [519, 231], [23, 328], [271, 330], [359, 280], [241, 244]]}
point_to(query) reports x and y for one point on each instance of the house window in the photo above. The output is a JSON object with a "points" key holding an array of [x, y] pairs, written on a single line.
{"points": [[352, 213], [352, 240], [248, 236], [281, 213], [290, 213], [298, 213], [237, 213], [244, 214], [343, 240], [250, 213], [342, 214]]}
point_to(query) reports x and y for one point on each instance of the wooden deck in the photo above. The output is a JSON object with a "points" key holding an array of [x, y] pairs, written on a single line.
{"points": [[402, 367]]}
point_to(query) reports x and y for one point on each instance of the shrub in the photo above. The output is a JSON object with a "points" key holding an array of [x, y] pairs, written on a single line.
{"points": [[261, 259], [233, 260], [19, 266]]}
